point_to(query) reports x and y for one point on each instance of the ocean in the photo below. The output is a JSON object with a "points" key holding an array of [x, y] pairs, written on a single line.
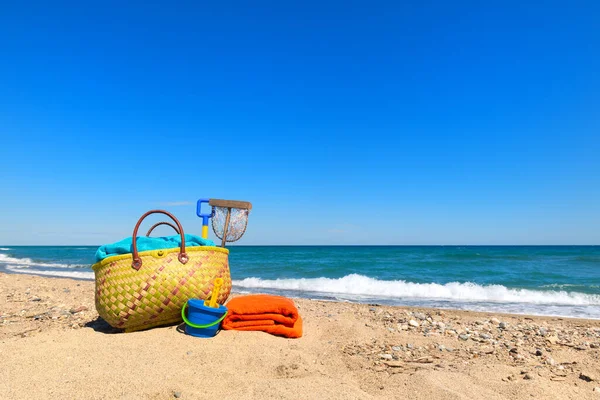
{"points": [[537, 280]]}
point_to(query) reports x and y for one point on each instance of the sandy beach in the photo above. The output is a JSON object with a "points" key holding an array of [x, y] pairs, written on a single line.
{"points": [[54, 346]]}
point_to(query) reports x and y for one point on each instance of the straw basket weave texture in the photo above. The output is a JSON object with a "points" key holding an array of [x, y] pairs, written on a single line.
{"points": [[147, 289]]}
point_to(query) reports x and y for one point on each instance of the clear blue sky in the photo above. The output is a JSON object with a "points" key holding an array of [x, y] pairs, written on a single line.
{"points": [[423, 122]]}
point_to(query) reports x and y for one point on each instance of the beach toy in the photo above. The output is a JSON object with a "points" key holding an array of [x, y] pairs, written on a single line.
{"points": [[204, 217], [215, 293], [229, 219], [202, 321]]}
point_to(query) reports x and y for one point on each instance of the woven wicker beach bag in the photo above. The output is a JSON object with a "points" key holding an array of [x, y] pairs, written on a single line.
{"points": [[146, 289]]}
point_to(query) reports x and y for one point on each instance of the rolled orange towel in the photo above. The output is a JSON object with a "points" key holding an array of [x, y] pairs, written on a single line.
{"points": [[276, 315]]}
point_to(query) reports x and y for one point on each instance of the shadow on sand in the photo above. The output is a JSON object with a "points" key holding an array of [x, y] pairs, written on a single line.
{"points": [[100, 325]]}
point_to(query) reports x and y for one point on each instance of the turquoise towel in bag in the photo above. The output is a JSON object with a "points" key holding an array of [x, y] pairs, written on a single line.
{"points": [[149, 243]]}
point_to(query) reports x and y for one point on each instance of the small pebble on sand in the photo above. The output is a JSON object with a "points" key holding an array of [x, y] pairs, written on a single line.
{"points": [[586, 376], [420, 316]]}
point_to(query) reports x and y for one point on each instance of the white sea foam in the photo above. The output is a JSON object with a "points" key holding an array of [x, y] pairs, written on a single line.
{"points": [[359, 285], [28, 262], [560, 285], [4, 248], [569, 285], [64, 274]]}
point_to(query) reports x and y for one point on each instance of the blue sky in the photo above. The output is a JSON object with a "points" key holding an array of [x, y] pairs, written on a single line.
{"points": [[425, 122]]}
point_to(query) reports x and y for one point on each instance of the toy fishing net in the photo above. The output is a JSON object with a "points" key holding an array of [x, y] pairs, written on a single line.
{"points": [[238, 220]]}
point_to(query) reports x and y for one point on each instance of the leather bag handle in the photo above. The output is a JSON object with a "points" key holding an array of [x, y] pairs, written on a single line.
{"points": [[162, 223], [137, 261]]}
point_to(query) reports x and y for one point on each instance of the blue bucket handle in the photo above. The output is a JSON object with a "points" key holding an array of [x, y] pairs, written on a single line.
{"points": [[200, 326]]}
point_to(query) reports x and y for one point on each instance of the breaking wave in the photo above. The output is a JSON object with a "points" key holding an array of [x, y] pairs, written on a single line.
{"points": [[360, 285], [28, 262]]}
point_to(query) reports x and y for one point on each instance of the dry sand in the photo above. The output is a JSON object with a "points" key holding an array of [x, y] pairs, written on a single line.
{"points": [[53, 345]]}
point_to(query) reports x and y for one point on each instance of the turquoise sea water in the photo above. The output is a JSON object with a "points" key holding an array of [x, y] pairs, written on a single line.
{"points": [[544, 280]]}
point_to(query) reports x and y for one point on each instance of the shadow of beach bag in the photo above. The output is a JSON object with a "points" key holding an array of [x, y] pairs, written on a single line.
{"points": [[145, 289]]}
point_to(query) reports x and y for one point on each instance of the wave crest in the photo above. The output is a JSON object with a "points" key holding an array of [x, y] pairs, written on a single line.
{"points": [[88, 275], [28, 262], [360, 285]]}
